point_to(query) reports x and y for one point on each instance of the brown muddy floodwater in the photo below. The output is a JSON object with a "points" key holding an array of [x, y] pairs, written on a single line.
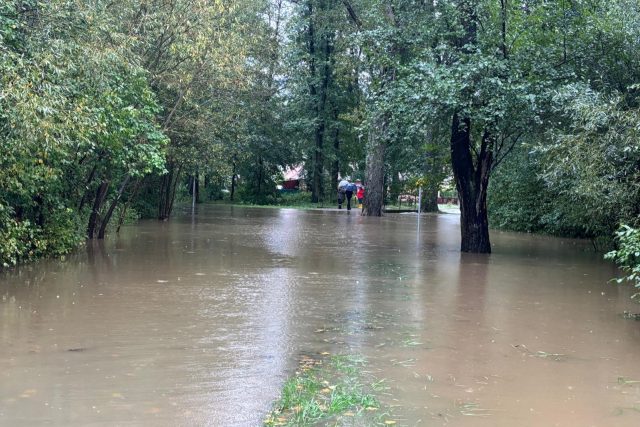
{"points": [[199, 321]]}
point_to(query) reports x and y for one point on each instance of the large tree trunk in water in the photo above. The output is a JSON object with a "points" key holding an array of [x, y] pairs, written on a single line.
{"points": [[101, 192], [374, 180], [471, 183], [114, 203], [429, 199], [472, 178]]}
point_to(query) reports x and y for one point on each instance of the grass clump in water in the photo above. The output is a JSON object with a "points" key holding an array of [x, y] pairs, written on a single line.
{"points": [[330, 390]]}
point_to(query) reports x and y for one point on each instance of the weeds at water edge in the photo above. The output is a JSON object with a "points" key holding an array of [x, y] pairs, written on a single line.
{"points": [[328, 389], [631, 316], [627, 381]]}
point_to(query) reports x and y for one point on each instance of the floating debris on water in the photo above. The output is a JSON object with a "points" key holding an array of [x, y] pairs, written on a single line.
{"points": [[558, 357]]}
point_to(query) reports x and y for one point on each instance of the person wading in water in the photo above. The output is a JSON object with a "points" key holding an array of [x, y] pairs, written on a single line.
{"points": [[351, 188], [342, 189], [359, 193]]}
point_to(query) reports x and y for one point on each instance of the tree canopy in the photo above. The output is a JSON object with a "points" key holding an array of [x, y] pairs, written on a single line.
{"points": [[116, 110]]}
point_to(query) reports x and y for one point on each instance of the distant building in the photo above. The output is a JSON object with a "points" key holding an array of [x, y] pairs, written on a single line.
{"points": [[294, 178]]}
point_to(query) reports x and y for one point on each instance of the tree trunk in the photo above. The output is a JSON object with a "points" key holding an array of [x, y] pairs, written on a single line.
{"points": [[472, 178], [322, 69], [233, 182], [165, 193], [173, 193], [168, 190], [196, 176], [335, 168], [318, 163], [112, 208], [374, 180], [101, 192], [207, 184], [471, 184], [313, 93], [259, 176], [429, 199]]}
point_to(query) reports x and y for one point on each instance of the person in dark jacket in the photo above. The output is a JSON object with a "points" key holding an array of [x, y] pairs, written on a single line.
{"points": [[342, 188], [351, 188]]}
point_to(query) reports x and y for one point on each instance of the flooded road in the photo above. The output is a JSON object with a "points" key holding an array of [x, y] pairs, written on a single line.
{"points": [[200, 320]]}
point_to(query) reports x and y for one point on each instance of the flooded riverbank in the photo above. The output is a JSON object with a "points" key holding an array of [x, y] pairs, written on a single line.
{"points": [[200, 321]]}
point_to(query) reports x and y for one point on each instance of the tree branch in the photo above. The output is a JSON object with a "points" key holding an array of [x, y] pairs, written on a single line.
{"points": [[352, 13]]}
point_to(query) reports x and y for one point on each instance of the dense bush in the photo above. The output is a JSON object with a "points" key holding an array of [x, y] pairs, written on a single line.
{"points": [[295, 198], [520, 200], [627, 256]]}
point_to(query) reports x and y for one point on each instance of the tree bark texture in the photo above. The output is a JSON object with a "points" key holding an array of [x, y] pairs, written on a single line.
{"points": [[432, 169], [374, 180], [259, 175], [101, 192], [321, 66], [471, 183], [429, 199], [316, 169], [335, 167], [112, 208], [168, 188], [472, 177], [233, 182]]}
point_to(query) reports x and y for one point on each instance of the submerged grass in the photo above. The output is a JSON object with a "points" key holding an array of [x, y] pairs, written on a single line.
{"points": [[631, 316], [627, 381], [328, 389]]}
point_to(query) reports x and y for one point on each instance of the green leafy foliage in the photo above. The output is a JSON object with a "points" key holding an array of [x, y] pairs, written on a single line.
{"points": [[627, 256], [71, 103], [106, 106], [577, 175]]}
